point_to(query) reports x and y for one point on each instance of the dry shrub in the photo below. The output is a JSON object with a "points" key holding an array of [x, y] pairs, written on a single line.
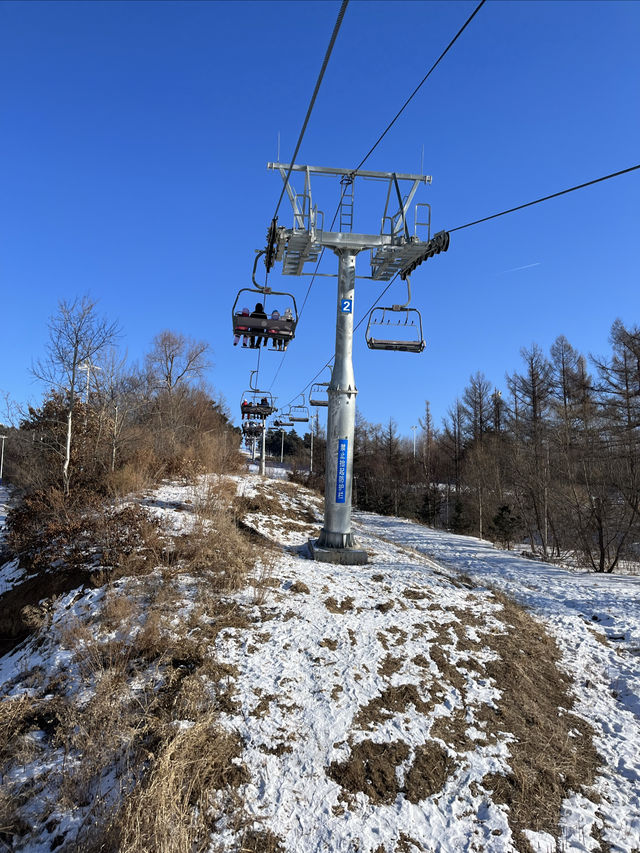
{"points": [[50, 529], [118, 610], [261, 502], [18, 716], [12, 826], [134, 476], [218, 548], [189, 787], [218, 453]]}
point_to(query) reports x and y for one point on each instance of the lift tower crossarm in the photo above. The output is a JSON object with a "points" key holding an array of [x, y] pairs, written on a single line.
{"points": [[355, 173]]}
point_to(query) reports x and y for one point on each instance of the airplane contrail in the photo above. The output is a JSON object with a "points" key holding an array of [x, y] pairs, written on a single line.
{"points": [[525, 267]]}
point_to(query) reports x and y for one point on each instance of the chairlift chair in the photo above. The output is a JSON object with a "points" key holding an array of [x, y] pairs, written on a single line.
{"points": [[251, 430], [257, 404], [258, 328], [299, 414], [397, 327], [318, 394]]}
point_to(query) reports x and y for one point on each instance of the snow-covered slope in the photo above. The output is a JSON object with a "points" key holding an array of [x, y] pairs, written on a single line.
{"points": [[404, 705]]}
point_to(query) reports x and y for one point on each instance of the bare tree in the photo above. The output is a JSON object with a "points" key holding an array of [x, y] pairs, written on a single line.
{"points": [[77, 336], [176, 360]]}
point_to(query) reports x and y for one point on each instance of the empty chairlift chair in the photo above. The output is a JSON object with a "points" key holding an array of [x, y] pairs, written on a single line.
{"points": [[318, 394], [397, 328], [299, 415]]}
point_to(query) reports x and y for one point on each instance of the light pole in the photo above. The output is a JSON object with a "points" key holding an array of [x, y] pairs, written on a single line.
{"points": [[2, 456], [414, 428]]}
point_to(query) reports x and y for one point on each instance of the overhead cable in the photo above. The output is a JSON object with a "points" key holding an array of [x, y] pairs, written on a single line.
{"points": [[325, 62], [420, 84], [486, 219], [545, 198], [371, 150]]}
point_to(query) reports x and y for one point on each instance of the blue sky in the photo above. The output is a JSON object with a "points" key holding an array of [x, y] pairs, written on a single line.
{"points": [[133, 152]]}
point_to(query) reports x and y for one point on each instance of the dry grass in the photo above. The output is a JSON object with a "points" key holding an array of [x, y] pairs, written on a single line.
{"points": [[190, 786], [147, 726], [552, 751], [392, 701]]}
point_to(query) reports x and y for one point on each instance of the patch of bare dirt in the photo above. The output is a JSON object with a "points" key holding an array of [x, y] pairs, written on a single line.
{"points": [[389, 665], [428, 773], [393, 700], [261, 841], [344, 606], [448, 670], [453, 731], [371, 768], [415, 594]]}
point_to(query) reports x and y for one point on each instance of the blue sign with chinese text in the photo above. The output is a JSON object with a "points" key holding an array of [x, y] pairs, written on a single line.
{"points": [[341, 483]]}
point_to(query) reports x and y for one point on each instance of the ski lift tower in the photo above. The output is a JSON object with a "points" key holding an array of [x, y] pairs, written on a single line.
{"points": [[393, 250]]}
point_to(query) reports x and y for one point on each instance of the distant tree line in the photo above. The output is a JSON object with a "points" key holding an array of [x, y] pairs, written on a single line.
{"points": [[106, 427], [553, 458]]}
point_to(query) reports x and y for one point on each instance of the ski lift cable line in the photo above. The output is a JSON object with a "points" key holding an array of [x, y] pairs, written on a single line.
{"points": [[325, 62], [486, 219], [546, 198], [380, 138], [355, 328], [419, 86], [367, 155]]}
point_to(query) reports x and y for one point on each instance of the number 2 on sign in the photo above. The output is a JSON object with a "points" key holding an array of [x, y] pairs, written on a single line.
{"points": [[346, 306]]}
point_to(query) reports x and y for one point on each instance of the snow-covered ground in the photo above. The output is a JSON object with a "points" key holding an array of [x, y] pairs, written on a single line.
{"points": [[595, 620], [350, 681]]}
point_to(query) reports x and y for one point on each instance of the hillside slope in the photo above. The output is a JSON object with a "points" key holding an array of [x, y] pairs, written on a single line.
{"points": [[407, 705]]}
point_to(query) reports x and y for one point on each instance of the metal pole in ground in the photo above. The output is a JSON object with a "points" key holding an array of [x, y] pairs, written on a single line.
{"points": [[2, 456], [262, 458], [281, 445], [336, 542]]}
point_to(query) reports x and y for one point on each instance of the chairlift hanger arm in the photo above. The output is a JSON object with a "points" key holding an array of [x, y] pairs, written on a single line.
{"points": [[408, 302], [264, 288]]}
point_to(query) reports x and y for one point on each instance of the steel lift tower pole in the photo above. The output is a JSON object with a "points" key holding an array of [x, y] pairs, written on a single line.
{"points": [[392, 251], [341, 417]]}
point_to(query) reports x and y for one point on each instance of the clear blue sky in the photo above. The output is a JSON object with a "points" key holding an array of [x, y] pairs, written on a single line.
{"points": [[133, 152]]}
